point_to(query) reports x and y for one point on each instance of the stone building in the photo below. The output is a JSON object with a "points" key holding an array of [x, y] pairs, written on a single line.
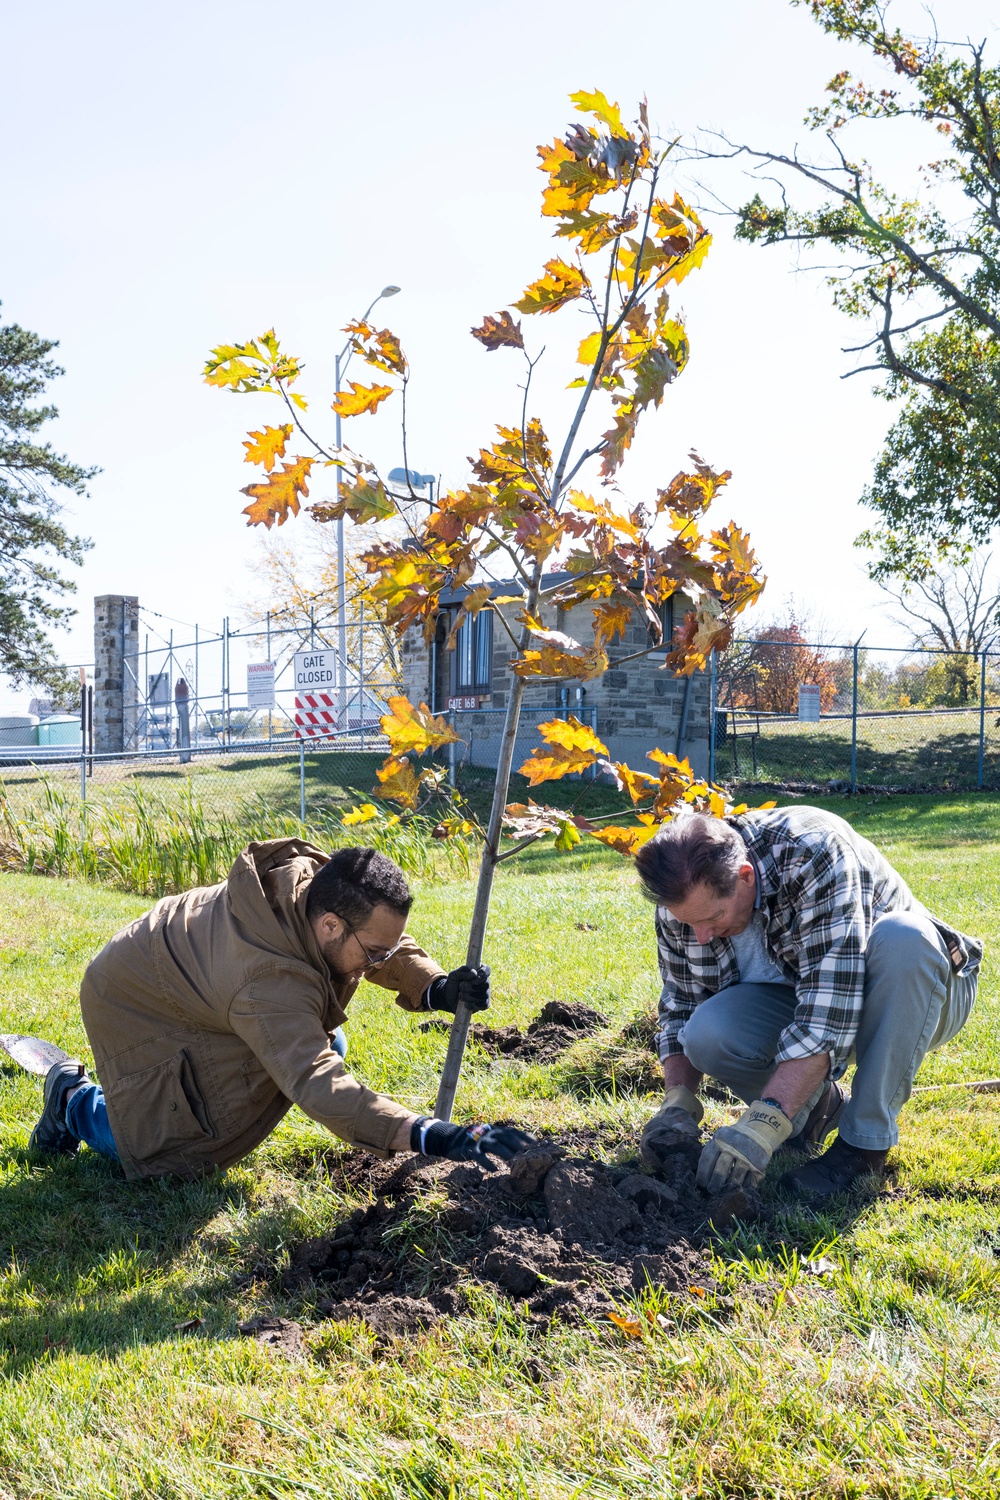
{"points": [[635, 706]]}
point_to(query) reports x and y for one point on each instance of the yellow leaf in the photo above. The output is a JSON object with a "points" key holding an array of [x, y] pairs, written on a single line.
{"points": [[560, 284], [569, 837], [361, 398], [267, 446], [571, 747], [363, 814], [552, 662], [627, 841], [399, 781], [691, 261], [638, 784], [597, 104], [612, 619], [764, 806], [277, 497], [450, 828], [409, 728]]}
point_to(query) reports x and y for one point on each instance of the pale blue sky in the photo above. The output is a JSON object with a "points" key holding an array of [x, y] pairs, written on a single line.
{"points": [[194, 173]]}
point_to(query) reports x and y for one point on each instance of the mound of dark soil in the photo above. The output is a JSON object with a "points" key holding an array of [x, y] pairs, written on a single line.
{"points": [[563, 1235], [557, 1026]]}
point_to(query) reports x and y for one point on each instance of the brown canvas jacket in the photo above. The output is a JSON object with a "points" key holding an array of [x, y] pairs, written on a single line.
{"points": [[211, 1015]]}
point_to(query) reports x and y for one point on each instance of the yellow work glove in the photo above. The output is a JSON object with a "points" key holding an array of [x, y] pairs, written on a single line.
{"points": [[738, 1154], [673, 1128]]}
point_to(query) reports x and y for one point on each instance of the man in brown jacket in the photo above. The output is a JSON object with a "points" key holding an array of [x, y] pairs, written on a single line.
{"points": [[220, 1008]]}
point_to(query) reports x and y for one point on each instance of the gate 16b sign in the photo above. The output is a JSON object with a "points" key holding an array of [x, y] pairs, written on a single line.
{"points": [[315, 678]]}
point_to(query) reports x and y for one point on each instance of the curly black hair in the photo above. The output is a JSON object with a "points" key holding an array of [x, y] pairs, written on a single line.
{"points": [[353, 882]]}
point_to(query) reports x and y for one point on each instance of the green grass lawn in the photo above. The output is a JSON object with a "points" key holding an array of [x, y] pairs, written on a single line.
{"points": [[881, 1378]]}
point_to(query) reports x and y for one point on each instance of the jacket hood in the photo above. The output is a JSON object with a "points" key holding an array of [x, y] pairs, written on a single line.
{"points": [[267, 886]]}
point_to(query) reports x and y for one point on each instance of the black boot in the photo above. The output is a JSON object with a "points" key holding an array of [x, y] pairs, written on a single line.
{"points": [[824, 1117], [838, 1170], [50, 1134]]}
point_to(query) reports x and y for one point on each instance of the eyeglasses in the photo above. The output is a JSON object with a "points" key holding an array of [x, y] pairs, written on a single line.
{"points": [[373, 963]]}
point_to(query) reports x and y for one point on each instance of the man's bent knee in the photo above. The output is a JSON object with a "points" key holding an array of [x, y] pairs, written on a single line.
{"points": [[708, 1042], [904, 940]]}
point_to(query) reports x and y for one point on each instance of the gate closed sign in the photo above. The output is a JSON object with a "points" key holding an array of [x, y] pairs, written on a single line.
{"points": [[315, 679]]}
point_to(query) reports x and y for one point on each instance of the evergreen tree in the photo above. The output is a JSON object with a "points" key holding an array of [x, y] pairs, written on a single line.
{"points": [[32, 537]]}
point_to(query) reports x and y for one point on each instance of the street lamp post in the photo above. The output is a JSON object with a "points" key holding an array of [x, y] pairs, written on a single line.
{"points": [[340, 369]]}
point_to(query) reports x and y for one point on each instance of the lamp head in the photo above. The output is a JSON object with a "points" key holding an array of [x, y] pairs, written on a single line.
{"points": [[389, 291]]}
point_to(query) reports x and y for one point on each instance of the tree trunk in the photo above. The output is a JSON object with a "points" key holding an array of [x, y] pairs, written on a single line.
{"points": [[459, 1032]]}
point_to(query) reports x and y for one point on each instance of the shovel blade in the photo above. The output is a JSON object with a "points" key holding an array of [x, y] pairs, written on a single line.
{"points": [[32, 1053]]}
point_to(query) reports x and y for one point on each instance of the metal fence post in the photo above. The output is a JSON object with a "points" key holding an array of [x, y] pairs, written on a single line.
{"points": [[982, 722], [712, 695], [854, 721], [83, 735], [451, 748], [302, 781]]}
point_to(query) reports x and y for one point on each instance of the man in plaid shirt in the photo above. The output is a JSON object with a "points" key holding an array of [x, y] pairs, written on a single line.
{"points": [[790, 948]]}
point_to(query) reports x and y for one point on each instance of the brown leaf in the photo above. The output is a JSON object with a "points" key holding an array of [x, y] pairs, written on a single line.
{"points": [[500, 332]]}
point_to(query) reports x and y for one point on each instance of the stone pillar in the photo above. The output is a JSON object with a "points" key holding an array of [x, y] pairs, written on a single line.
{"points": [[116, 666]]}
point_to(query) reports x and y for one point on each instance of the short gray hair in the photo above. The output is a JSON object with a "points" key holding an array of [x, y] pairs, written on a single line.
{"points": [[693, 849]]}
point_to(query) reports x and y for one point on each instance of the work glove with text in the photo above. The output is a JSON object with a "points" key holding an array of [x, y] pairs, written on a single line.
{"points": [[673, 1128], [468, 1142], [738, 1154], [467, 985]]}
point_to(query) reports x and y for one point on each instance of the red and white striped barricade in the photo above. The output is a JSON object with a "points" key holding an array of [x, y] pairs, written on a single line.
{"points": [[315, 701]]}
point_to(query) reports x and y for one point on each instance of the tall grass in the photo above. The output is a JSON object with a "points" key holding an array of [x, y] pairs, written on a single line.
{"points": [[144, 844]]}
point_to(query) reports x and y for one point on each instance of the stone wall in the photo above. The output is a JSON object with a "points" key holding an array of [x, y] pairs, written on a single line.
{"points": [[639, 705], [116, 659]]}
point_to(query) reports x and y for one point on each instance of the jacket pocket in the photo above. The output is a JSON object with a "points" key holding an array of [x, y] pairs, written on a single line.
{"points": [[161, 1109]]}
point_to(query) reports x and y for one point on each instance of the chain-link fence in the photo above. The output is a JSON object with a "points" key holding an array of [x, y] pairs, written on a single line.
{"points": [[790, 711]]}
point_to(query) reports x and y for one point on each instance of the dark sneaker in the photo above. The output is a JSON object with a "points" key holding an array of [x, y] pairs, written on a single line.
{"points": [[50, 1134], [838, 1170]]}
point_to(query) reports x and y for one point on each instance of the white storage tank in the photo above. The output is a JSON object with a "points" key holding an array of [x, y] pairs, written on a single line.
{"points": [[18, 730]]}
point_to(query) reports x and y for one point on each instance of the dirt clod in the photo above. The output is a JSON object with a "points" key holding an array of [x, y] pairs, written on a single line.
{"points": [[562, 1234], [557, 1026], [281, 1334]]}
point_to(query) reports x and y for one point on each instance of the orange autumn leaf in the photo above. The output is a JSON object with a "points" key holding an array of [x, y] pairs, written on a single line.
{"points": [[408, 728], [267, 446], [277, 497], [631, 1326], [361, 398]]}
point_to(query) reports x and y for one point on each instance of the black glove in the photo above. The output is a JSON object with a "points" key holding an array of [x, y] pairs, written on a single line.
{"points": [[468, 1142], [468, 985]]}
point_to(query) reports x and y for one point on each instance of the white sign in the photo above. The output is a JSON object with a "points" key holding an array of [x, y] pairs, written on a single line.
{"points": [[315, 678], [809, 702], [260, 684]]}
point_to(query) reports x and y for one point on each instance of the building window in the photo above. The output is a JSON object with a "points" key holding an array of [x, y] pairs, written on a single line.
{"points": [[666, 614], [472, 658]]}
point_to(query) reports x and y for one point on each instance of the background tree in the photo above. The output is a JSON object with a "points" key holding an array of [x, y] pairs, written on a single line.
{"points": [[626, 244], [31, 534], [764, 670], [298, 586], [923, 272], [954, 610]]}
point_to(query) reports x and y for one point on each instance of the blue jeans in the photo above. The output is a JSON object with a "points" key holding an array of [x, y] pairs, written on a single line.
{"points": [[87, 1113]]}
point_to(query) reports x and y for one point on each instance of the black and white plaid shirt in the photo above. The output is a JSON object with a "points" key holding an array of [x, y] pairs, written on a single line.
{"points": [[821, 888]]}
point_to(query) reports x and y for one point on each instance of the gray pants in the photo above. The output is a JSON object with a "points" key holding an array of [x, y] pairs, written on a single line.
{"points": [[914, 1002]]}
